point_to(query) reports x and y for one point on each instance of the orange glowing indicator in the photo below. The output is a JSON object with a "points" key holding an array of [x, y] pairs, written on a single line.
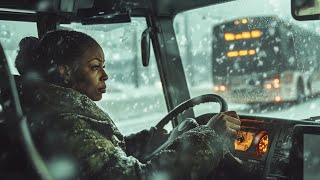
{"points": [[268, 86], [223, 88], [243, 35], [233, 54], [252, 52], [239, 36], [256, 34], [276, 86], [246, 35], [277, 98], [241, 53], [216, 88], [276, 81], [229, 37], [243, 141], [236, 22], [263, 145], [244, 21]]}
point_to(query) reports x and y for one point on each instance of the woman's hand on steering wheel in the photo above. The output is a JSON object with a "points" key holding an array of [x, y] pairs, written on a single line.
{"points": [[226, 124]]}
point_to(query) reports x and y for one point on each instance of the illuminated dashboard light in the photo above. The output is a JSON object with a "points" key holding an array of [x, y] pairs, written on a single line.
{"points": [[243, 141], [246, 35], [277, 98], [243, 52], [239, 36], [268, 86], [233, 54], [236, 22], [252, 52], [263, 145], [261, 142], [276, 86], [256, 34], [216, 88], [229, 37], [244, 21], [223, 88]]}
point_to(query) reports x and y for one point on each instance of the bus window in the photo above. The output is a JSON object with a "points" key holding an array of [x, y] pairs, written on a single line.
{"points": [[250, 57], [134, 97], [11, 32]]}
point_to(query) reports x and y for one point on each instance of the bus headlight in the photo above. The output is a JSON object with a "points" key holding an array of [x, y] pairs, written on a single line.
{"points": [[221, 88]]}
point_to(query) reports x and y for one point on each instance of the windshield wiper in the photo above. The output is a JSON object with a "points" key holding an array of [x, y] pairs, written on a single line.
{"points": [[314, 119]]}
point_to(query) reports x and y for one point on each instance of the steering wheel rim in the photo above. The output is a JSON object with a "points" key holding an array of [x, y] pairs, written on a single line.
{"points": [[190, 104]]}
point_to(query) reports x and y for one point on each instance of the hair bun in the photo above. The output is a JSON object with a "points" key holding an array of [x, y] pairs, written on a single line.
{"points": [[25, 61]]}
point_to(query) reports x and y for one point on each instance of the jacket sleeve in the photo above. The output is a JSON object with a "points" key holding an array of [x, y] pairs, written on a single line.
{"points": [[191, 156], [145, 142]]}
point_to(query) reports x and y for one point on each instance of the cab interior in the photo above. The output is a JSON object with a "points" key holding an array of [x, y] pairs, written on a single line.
{"points": [[272, 153]]}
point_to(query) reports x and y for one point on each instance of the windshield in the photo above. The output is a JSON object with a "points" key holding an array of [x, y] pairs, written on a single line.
{"points": [[134, 97], [255, 55]]}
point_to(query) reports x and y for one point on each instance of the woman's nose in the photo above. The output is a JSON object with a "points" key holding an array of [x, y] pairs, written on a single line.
{"points": [[104, 75]]}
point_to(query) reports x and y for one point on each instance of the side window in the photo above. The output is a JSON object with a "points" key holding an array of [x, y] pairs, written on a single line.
{"points": [[134, 97], [11, 32]]}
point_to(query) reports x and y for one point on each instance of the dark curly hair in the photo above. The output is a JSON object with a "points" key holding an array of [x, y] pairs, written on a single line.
{"points": [[41, 57]]}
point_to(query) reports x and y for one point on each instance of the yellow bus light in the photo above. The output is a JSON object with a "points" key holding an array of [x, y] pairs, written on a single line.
{"points": [[268, 86], [229, 36], [256, 34], [233, 54], [276, 81], [277, 98], [276, 86], [243, 52], [223, 88], [246, 35], [252, 52], [216, 88], [236, 22], [239, 36], [244, 21]]}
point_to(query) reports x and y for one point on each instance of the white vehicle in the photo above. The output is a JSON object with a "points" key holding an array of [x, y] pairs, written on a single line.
{"points": [[259, 60]]}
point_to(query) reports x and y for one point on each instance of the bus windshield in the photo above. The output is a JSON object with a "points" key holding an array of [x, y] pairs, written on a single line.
{"points": [[247, 45]]}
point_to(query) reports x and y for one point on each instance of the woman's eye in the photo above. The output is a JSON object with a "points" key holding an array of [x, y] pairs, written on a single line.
{"points": [[95, 67]]}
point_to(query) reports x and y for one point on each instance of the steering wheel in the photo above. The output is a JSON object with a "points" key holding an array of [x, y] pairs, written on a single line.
{"points": [[190, 104], [188, 123]]}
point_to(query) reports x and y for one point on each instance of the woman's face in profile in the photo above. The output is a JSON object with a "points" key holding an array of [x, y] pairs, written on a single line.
{"points": [[90, 77]]}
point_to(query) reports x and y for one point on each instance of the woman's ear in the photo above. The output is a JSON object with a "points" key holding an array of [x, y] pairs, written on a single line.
{"points": [[65, 73]]}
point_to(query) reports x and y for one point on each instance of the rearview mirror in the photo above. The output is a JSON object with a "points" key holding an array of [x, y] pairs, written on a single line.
{"points": [[145, 46], [305, 9]]}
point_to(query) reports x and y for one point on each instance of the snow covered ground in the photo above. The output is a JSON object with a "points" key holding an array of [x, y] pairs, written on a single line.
{"points": [[149, 108]]}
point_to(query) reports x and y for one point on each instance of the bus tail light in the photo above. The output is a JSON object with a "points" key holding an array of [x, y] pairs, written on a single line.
{"points": [[275, 83], [221, 88], [277, 99]]}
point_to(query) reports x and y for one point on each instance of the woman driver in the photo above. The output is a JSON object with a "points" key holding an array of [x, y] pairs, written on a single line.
{"points": [[64, 71]]}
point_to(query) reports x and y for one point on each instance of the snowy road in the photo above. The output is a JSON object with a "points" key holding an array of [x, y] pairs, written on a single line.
{"points": [[145, 119]]}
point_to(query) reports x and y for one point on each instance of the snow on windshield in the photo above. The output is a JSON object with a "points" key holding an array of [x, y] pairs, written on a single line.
{"points": [[134, 96], [281, 52]]}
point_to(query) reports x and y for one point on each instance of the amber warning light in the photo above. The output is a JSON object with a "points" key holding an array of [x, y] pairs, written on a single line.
{"points": [[221, 88], [262, 143], [243, 35]]}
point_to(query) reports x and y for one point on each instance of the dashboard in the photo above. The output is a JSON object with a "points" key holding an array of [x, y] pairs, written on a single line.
{"points": [[264, 146]]}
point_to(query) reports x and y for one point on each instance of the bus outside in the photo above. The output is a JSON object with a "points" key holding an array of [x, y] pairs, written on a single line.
{"points": [[259, 60]]}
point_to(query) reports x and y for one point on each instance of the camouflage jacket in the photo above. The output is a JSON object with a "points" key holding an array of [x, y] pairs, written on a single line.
{"points": [[67, 125]]}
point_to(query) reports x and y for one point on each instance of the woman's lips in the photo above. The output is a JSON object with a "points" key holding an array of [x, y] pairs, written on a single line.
{"points": [[102, 90]]}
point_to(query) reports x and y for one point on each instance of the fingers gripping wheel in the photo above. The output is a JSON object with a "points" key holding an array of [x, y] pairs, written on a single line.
{"points": [[190, 104], [189, 123]]}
